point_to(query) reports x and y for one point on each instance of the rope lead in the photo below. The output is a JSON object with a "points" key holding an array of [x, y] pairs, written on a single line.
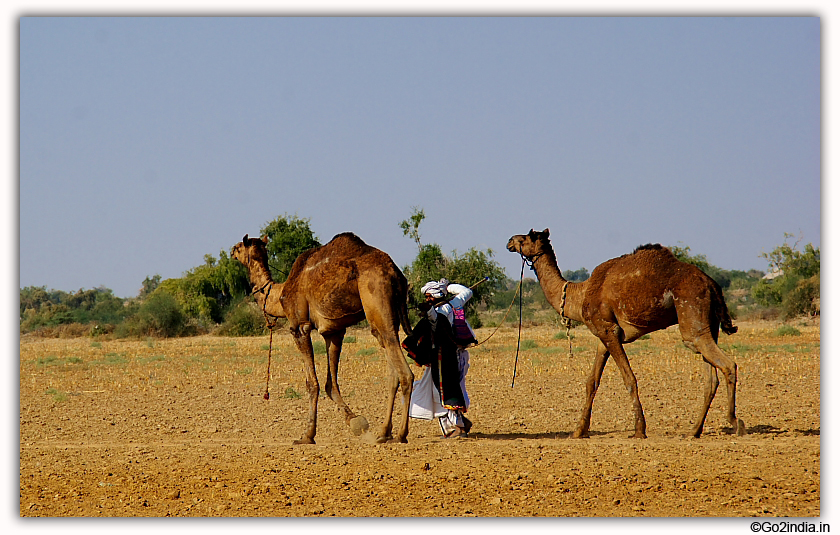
{"points": [[519, 338], [566, 322], [268, 368]]}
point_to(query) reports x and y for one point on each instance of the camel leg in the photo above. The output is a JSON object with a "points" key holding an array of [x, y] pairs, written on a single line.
{"points": [[384, 434], [334, 342], [582, 430], [706, 345], [303, 341], [401, 372], [400, 376], [617, 351], [711, 387]]}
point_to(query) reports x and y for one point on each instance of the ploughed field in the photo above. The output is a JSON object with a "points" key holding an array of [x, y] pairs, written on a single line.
{"points": [[180, 428]]}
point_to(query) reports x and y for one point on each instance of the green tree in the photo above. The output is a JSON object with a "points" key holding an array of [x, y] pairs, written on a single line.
{"points": [[796, 289], [149, 286], [210, 292], [288, 237], [206, 291], [42, 308], [473, 266], [467, 269], [411, 226], [578, 275], [32, 298], [429, 264]]}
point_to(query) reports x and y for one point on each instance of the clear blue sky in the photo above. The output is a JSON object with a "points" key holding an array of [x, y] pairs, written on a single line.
{"points": [[146, 143]]}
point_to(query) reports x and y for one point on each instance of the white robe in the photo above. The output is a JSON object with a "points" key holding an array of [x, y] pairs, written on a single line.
{"points": [[425, 396]]}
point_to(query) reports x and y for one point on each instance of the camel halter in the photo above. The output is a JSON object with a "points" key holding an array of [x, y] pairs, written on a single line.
{"points": [[530, 261]]}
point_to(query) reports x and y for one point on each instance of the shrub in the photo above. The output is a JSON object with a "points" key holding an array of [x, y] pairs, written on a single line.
{"points": [[65, 330], [291, 393], [787, 330], [796, 289], [528, 344], [160, 315], [244, 319], [802, 299]]}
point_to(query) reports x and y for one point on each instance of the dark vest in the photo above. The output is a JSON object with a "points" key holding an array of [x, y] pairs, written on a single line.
{"points": [[436, 348]]}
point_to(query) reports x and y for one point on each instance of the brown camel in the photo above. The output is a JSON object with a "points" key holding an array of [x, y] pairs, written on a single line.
{"points": [[633, 295], [330, 288]]}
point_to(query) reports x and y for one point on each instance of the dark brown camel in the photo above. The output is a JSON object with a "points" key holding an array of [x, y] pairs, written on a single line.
{"points": [[330, 288], [633, 295]]}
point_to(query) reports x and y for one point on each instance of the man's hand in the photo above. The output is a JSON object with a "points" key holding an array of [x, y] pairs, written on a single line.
{"points": [[426, 305]]}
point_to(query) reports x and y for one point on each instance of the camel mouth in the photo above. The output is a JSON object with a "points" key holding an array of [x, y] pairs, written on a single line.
{"points": [[511, 246]]}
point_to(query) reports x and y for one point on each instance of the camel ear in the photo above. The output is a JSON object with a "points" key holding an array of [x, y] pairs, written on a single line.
{"points": [[245, 240], [545, 232]]}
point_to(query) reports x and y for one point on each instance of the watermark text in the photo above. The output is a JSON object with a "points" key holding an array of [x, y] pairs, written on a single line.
{"points": [[790, 527]]}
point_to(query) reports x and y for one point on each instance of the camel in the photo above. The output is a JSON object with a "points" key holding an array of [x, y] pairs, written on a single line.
{"points": [[630, 296], [331, 288]]}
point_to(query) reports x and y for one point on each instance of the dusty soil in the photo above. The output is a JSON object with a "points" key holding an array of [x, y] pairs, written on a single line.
{"points": [[180, 428]]}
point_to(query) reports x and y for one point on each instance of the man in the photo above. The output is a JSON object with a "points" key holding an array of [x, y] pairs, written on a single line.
{"points": [[448, 367]]}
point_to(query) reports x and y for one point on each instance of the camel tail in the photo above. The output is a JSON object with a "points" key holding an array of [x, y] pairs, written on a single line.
{"points": [[402, 304], [722, 312], [406, 324]]}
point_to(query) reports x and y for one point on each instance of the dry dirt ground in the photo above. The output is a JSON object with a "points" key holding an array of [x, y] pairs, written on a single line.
{"points": [[180, 428]]}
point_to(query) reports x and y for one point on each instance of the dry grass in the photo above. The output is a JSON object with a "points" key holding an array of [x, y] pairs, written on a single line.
{"points": [[769, 365]]}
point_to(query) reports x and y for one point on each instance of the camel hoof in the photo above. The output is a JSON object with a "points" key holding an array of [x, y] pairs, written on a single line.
{"points": [[397, 440], [742, 429], [637, 434], [304, 440], [580, 434], [383, 440], [359, 425]]}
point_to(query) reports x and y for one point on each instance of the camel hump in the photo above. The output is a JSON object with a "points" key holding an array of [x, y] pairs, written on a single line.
{"points": [[650, 247], [348, 237]]}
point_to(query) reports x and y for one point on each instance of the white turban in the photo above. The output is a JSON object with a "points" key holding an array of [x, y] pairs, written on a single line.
{"points": [[435, 288]]}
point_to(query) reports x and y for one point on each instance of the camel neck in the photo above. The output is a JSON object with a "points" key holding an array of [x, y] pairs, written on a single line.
{"points": [[552, 283], [265, 290], [259, 275]]}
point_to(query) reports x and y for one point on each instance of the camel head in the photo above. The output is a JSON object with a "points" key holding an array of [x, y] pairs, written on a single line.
{"points": [[251, 250], [530, 245]]}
